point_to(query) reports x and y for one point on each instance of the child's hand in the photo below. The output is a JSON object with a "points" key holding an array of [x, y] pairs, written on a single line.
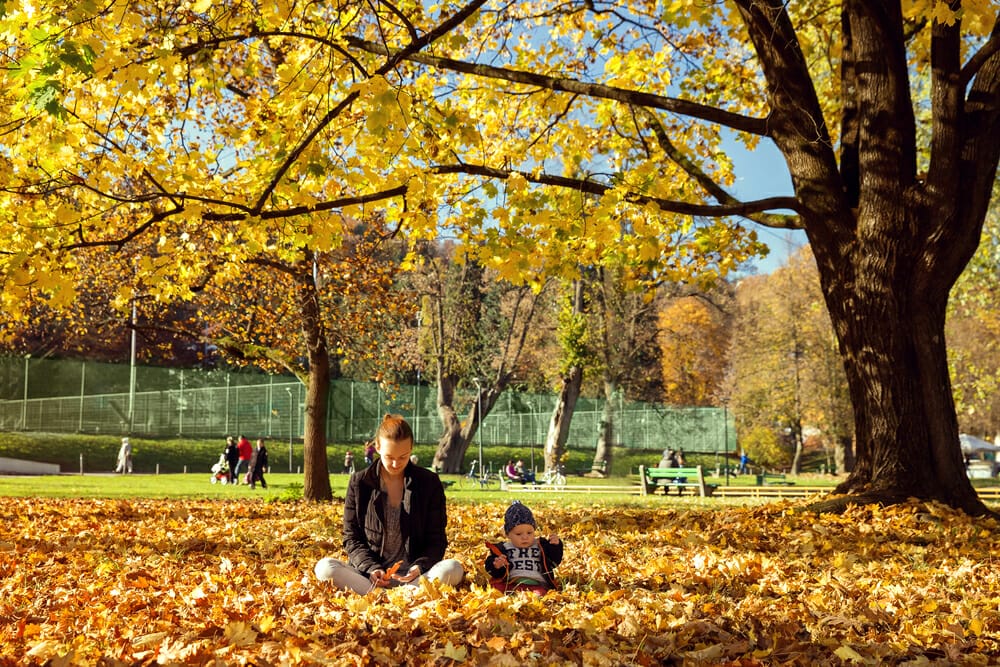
{"points": [[553, 539], [499, 557]]}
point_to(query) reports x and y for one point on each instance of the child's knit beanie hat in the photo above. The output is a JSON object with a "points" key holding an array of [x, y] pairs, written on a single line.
{"points": [[516, 515]]}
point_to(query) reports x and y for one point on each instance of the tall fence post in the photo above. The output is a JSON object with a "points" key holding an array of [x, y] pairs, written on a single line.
{"points": [[24, 401], [83, 390]]}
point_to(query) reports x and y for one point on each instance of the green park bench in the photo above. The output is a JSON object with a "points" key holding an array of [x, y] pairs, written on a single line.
{"points": [[691, 477], [773, 479]]}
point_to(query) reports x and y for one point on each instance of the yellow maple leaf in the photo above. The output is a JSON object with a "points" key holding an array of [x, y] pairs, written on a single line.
{"points": [[239, 633], [456, 653]]}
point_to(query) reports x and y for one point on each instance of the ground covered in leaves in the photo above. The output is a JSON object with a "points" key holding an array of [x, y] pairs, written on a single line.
{"points": [[91, 582]]}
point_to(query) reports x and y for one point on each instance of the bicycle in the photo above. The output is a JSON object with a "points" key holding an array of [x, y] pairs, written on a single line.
{"points": [[553, 477], [482, 480]]}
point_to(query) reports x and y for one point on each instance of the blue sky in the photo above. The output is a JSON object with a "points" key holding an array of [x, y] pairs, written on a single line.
{"points": [[762, 173]]}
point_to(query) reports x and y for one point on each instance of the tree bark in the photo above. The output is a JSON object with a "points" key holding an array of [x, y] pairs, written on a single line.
{"points": [[843, 455], [887, 261], [450, 450], [605, 438], [316, 483], [456, 438], [572, 382], [562, 417]]}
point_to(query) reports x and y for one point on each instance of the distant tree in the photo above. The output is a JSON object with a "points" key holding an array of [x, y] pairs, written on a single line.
{"points": [[786, 371], [574, 355], [973, 332], [475, 329], [694, 343], [607, 331]]}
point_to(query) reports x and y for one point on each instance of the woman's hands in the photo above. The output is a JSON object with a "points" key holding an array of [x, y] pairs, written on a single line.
{"points": [[384, 578]]}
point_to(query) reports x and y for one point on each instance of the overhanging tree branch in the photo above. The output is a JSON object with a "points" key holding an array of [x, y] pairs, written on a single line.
{"points": [[706, 181], [745, 209], [412, 48], [757, 126]]}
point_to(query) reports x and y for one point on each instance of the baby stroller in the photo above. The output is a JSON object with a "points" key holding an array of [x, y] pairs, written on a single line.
{"points": [[220, 471]]}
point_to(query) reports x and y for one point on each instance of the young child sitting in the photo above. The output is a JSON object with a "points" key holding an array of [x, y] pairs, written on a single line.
{"points": [[524, 562]]}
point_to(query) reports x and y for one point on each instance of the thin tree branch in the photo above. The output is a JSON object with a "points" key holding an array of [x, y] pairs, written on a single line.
{"points": [[757, 126], [746, 209], [412, 48], [979, 58], [699, 175]]}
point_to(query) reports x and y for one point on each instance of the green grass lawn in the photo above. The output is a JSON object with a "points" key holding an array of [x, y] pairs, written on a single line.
{"points": [[288, 487], [182, 469]]}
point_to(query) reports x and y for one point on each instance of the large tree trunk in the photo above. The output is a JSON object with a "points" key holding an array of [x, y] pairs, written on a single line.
{"points": [[889, 242], [316, 483], [897, 372], [562, 416]]}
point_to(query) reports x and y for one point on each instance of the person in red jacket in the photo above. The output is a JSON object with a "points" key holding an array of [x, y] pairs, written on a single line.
{"points": [[246, 453]]}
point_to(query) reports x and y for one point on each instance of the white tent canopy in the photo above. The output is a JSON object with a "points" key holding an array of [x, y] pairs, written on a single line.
{"points": [[971, 444]]}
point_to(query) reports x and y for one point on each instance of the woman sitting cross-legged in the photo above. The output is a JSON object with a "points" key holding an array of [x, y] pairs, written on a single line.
{"points": [[394, 521]]}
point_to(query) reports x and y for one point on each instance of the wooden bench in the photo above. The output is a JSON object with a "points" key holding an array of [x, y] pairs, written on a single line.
{"points": [[773, 479], [692, 477]]}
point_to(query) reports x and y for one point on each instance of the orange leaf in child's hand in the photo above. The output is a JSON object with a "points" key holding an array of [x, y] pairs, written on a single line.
{"points": [[492, 547], [392, 570]]}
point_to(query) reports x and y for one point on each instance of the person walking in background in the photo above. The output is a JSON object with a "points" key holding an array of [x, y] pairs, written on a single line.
{"points": [[744, 463], [258, 465], [232, 454], [369, 453], [525, 562], [394, 521], [348, 462], [245, 454], [125, 457]]}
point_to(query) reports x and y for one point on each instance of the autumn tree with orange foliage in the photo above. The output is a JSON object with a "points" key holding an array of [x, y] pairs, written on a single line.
{"points": [[694, 341], [786, 374]]}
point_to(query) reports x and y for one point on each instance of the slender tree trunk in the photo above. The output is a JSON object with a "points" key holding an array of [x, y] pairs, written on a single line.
{"points": [[605, 438], [797, 440], [843, 455], [456, 439], [316, 483], [572, 381], [562, 416]]}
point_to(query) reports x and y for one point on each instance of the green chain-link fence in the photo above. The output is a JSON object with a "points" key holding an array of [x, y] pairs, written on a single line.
{"points": [[91, 397]]}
